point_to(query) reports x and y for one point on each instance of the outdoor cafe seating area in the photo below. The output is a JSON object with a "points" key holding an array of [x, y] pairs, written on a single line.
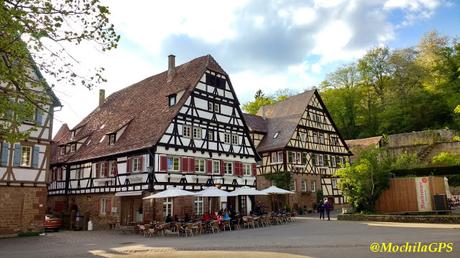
{"points": [[211, 225]]}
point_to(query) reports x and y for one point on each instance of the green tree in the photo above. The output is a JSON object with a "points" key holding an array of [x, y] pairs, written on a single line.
{"points": [[446, 159], [364, 180], [261, 100], [34, 37]]}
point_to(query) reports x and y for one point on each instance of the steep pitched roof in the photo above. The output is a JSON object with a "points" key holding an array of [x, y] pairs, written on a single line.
{"points": [[255, 123], [142, 107], [282, 118]]}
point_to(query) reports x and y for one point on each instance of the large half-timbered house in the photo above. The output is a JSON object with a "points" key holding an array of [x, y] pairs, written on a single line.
{"points": [[24, 165], [297, 138], [182, 128]]}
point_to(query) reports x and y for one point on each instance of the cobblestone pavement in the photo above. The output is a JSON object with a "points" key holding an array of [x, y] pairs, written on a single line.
{"points": [[307, 236]]}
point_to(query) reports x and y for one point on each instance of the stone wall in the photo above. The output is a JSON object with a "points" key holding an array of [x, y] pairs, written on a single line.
{"points": [[421, 137], [22, 209]]}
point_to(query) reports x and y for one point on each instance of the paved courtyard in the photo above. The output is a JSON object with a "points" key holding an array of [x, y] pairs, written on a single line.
{"points": [[305, 237]]}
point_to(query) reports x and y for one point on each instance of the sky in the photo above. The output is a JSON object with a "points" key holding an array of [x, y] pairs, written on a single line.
{"points": [[261, 44]]}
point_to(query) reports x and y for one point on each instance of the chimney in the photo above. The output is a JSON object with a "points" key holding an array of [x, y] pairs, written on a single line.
{"points": [[171, 67], [101, 97]]}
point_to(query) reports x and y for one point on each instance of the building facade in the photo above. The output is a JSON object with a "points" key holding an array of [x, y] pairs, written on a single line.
{"points": [[297, 139], [181, 128], [23, 170]]}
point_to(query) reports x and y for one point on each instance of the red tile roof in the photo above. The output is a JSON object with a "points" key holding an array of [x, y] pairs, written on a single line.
{"points": [[143, 106]]}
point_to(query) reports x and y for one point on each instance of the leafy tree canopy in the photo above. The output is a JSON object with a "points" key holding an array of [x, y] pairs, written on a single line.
{"points": [[260, 100], [33, 38]]}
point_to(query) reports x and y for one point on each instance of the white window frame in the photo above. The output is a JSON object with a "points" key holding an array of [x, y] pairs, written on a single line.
{"points": [[168, 207], [303, 136], [112, 138], [247, 169], [103, 202], [290, 157], [321, 138], [315, 137], [80, 172], [197, 133], [280, 157], [172, 100], [187, 131], [26, 156], [136, 165], [304, 185], [172, 167], [298, 158], [111, 166], [217, 107], [334, 183], [210, 135], [227, 138], [235, 139], [198, 206], [320, 160], [228, 166], [333, 162], [293, 185], [313, 186], [274, 157], [216, 167], [200, 166]]}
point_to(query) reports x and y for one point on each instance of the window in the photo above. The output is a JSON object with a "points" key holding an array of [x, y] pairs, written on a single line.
{"points": [[247, 169], [172, 100], [187, 131], [72, 134], [313, 186], [298, 159], [113, 168], [304, 185], [321, 160], [26, 156], [79, 173], [198, 206], [199, 165], [290, 156], [274, 157], [216, 167], [337, 161], [216, 108], [280, 156], [213, 107], [235, 139], [321, 138], [167, 207], [304, 158], [103, 206], [228, 168], [227, 138], [173, 164], [333, 162], [210, 106], [334, 183], [136, 164], [210, 135], [292, 185], [197, 133], [315, 137], [73, 147], [112, 139], [315, 159], [62, 150], [303, 137], [334, 140]]}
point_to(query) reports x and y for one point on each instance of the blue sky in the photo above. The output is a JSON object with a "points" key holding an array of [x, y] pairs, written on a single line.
{"points": [[262, 44]]}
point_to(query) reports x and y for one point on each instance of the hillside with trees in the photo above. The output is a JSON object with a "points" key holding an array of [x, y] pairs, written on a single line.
{"points": [[391, 91]]}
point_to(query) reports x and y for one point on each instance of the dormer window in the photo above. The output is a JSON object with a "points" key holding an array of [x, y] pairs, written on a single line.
{"points": [[172, 99], [72, 134], [62, 150], [276, 135], [73, 147], [112, 138]]}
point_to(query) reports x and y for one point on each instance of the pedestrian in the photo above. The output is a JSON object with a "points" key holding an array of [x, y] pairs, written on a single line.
{"points": [[321, 210], [327, 208]]}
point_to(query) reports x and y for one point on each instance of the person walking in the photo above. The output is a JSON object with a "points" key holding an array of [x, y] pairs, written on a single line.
{"points": [[321, 209], [327, 208]]}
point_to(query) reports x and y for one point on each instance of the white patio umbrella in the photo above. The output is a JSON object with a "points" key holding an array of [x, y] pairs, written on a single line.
{"points": [[273, 190], [170, 192], [276, 190], [246, 190]]}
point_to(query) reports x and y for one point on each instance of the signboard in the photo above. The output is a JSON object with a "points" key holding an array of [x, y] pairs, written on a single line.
{"points": [[422, 185]]}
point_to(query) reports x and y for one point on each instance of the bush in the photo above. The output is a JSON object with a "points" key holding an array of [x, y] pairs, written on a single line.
{"points": [[446, 159]]}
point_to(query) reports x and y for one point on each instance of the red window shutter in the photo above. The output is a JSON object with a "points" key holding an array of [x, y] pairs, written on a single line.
{"points": [[128, 166], [209, 166], [184, 164], [106, 168], [163, 163], [222, 167], [141, 161], [97, 206], [108, 207], [98, 170], [240, 168], [254, 169], [191, 165], [235, 168]]}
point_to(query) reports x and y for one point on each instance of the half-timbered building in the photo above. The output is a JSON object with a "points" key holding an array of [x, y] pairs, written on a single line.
{"points": [[24, 165], [298, 139], [182, 128]]}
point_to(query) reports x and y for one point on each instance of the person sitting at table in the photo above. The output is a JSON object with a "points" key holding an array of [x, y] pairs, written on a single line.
{"points": [[220, 217], [214, 215], [226, 216], [168, 219], [206, 217], [187, 218]]}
